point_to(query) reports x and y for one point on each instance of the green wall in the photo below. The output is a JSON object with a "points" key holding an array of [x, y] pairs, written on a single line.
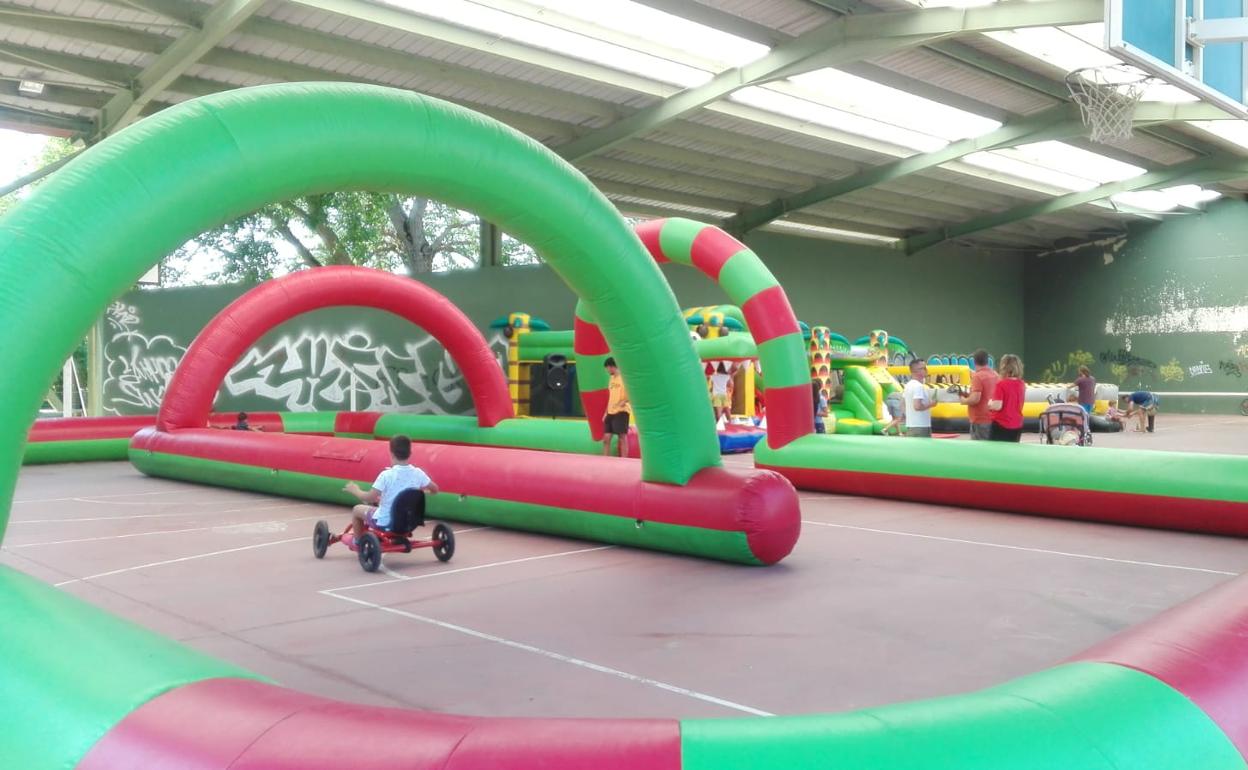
{"points": [[305, 363], [1162, 309]]}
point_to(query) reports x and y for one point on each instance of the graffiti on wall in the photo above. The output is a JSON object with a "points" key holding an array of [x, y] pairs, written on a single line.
{"points": [[302, 371], [137, 367], [1122, 362], [1064, 371], [1171, 371], [321, 370]]}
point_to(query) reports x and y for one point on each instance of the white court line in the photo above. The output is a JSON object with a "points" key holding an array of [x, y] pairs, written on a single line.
{"points": [[100, 497], [163, 515], [1023, 548], [427, 575], [175, 561], [232, 525], [557, 656]]}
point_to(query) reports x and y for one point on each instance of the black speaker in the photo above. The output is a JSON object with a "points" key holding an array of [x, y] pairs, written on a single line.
{"points": [[556, 371]]}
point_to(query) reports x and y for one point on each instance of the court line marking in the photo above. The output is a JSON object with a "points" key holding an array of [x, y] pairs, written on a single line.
{"points": [[164, 532], [1092, 557], [427, 575], [99, 497], [163, 515], [176, 561], [557, 656]]}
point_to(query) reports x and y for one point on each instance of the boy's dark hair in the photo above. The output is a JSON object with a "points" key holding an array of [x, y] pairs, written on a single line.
{"points": [[609, 362], [400, 447], [980, 357], [242, 416]]}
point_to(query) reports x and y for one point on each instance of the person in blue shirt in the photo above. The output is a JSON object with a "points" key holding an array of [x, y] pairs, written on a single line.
{"points": [[375, 504], [1144, 404]]}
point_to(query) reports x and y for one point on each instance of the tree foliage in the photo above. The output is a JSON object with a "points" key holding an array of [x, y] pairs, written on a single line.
{"points": [[379, 230], [55, 149]]}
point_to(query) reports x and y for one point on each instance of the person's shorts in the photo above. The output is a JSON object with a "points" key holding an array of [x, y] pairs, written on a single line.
{"points": [[1150, 403], [370, 518], [895, 409], [721, 401], [981, 431], [819, 426], [919, 432], [616, 423], [999, 433]]}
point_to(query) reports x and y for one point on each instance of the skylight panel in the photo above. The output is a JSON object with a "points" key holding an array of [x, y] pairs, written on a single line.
{"points": [[1167, 199], [812, 112], [1072, 160], [1234, 131], [1013, 166], [665, 29], [552, 38], [861, 96]]}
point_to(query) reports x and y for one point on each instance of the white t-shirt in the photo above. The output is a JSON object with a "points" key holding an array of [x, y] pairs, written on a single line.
{"points": [[391, 482], [916, 393], [719, 384]]}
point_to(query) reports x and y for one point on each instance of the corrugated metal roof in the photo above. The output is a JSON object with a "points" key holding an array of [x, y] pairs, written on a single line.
{"points": [[706, 161], [941, 71]]}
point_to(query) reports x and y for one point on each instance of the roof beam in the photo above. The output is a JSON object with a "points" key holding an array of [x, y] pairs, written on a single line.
{"points": [[840, 41], [292, 35], [1060, 122], [223, 19], [55, 94], [182, 13], [107, 74], [39, 122], [1050, 124], [485, 42], [717, 19], [1198, 171], [380, 56], [92, 30]]}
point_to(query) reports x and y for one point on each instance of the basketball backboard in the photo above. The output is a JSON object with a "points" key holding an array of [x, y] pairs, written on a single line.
{"points": [[1196, 45]]}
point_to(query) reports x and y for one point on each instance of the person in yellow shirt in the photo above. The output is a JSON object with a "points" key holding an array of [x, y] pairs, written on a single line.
{"points": [[615, 421]]}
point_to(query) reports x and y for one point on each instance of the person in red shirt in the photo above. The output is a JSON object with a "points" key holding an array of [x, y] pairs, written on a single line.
{"points": [[983, 387], [1007, 401]]}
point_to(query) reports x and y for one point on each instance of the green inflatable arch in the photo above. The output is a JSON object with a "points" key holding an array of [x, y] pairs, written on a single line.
{"points": [[97, 225]]}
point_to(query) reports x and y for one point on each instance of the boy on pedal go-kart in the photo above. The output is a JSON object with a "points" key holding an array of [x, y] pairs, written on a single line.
{"points": [[375, 504]]}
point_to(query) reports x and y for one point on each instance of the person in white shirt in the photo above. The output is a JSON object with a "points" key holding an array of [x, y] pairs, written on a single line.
{"points": [[375, 505], [918, 403], [721, 392]]}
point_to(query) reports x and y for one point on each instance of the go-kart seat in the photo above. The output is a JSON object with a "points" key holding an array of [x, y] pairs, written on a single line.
{"points": [[408, 512]]}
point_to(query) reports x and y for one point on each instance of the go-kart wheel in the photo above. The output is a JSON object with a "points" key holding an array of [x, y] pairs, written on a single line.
{"points": [[445, 548], [370, 552], [320, 539]]}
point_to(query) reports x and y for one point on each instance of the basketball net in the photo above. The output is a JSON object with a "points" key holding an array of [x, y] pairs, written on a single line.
{"points": [[1107, 97]]}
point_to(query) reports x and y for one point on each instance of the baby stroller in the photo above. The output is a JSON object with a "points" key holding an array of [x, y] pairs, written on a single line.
{"points": [[1065, 424]]}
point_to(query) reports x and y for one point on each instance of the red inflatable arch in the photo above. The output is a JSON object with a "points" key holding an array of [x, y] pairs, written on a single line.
{"points": [[194, 385]]}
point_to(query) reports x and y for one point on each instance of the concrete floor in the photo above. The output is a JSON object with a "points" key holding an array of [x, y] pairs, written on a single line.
{"points": [[881, 601]]}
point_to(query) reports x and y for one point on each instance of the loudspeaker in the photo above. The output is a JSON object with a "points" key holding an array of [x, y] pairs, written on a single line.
{"points": [[556, 375], [551, 387]]}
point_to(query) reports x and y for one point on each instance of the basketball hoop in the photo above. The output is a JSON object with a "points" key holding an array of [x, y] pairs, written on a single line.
{"points": [[1107, 97]]}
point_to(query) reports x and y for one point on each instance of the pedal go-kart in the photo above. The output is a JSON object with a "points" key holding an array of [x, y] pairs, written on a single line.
{"points": [[406, 516]]}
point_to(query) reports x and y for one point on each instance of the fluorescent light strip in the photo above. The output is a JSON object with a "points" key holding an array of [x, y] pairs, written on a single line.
{"points": [[551, 38], [832, 233]]}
